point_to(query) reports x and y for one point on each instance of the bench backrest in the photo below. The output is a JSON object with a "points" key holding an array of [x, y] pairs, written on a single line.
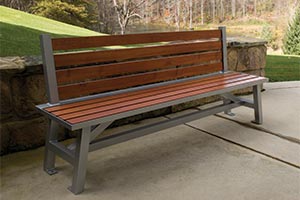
{"points": [[104, 63]]}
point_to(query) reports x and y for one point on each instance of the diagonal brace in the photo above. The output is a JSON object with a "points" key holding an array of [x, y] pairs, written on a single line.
{"points": [[245, 102], [93, 134], [99, 129]]}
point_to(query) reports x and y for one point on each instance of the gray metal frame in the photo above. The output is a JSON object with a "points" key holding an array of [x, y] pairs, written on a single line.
{"points": [[224, 48], [49, 69], [77, 153]]}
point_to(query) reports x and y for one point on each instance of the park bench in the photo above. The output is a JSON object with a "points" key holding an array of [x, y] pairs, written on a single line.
{"points": [[93, 81]]}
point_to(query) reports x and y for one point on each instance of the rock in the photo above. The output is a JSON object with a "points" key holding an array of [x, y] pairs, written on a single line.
{"points": [[4, 139], [6, 104], [28, 91], [32, 60], [25, 134], [257, 57], [248, 58], [243, 60], [232, 59], [12, 63]]}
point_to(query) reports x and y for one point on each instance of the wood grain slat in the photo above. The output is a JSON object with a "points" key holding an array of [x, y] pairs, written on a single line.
{"points": [[111, 40], [92, 72], [89, 57], [142, 96], [124, 95], [163, 94], [157, 101], [86, 88]]}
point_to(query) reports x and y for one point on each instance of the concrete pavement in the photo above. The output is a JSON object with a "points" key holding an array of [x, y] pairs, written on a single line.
{"points": [[218, 157]]}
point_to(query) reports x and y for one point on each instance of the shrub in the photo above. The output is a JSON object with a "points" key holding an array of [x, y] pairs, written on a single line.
{"points": [[63, 11], [270, 36], [291, 41]]}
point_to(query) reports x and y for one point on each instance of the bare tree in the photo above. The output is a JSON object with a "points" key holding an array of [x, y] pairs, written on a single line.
{"points": [[126, 11], [244, 5], [222, 12], [213, 9], [191, 13], [233, 8], [177, 14], [255, 8], [202, 11]]}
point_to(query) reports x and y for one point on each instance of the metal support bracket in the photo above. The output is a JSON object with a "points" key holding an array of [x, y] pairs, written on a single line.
{"points": [[148, 129], [257, 104], [97, 130]]}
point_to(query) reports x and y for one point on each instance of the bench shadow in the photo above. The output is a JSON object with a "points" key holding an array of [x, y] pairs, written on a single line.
{"points": [[141, 162]]}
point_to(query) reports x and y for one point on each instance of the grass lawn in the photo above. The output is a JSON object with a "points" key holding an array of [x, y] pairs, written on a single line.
{"points": [[19, 32], [283, 68]]}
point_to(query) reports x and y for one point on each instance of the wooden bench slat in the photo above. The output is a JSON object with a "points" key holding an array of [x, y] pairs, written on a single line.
{"points": [[96, 41], [98, 71], [163, 94], [125, 95], [86, 88], [158, 101], [142, 96], [89, 57], [139, 94]]}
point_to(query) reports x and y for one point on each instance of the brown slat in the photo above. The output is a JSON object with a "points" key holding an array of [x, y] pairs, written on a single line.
{"points": [[163, 94], [98, 41], [92, 72], [144, 94], [67, 59], [86, 88], [157, 101], [124, 95]]}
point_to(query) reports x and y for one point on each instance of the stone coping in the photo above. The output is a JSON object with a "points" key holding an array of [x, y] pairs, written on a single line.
{"points": [[241, 41], [19, 63]]}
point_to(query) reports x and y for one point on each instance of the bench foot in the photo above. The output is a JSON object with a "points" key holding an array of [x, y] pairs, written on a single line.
{"points": [[227, 101], [255, 122], [49, 158], [229, 113], [80, 163], [51, 171]]}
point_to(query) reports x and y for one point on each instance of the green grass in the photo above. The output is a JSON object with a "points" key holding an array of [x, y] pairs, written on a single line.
{"points": [[283, 68], [19, 32]]}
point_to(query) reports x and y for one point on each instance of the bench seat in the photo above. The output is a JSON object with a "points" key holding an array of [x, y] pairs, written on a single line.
{"points": [[105, 108]]}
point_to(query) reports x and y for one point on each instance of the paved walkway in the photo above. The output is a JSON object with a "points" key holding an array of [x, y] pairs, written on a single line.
{"points": [[218, 157]]}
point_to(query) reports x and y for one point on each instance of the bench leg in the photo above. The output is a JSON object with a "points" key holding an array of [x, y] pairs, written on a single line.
{"points": [[257, 104], [80, 163], [49, 157], [225, 102]]}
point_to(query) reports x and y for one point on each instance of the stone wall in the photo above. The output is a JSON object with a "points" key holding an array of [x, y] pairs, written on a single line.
{"points": [[22, 87]]}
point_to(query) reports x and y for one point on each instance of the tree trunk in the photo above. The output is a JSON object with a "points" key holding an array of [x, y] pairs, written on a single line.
{"points": [[222, 13], [177, 16], [233, 8], [119, 17], [244, 8], [255, 8], [213, 6], [191, 14], [202, 12]]}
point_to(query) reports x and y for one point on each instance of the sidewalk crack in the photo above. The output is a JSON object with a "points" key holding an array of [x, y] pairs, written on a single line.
{"points": [[288, 138], [244, 146], [241, 145]]}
